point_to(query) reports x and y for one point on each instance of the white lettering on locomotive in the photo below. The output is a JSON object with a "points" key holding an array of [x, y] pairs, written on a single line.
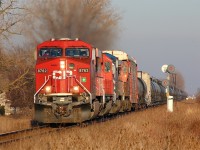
{"points": [[42, 70], [82, 70]]}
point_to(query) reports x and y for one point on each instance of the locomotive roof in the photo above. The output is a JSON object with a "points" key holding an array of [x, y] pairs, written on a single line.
{"points": [[64, 42], [111, 56], [121, 55]]}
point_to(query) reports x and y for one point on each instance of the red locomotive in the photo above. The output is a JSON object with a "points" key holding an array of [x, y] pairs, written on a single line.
{"points": [[126, 85], [76, 82]]}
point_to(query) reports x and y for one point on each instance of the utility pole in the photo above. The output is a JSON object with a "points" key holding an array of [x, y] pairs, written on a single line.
{"points": [[169, 69]]}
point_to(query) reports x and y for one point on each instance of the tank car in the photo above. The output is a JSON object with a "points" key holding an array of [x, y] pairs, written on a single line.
{"points": [[163, 92], [142, 93], [146, 78], [155, 92]]}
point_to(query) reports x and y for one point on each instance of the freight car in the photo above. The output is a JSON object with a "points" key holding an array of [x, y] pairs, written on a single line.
{"points": [[76, 82], [153, 92]]}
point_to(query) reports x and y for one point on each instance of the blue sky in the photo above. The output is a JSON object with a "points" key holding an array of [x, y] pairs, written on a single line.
{"points": [[158, 32]]}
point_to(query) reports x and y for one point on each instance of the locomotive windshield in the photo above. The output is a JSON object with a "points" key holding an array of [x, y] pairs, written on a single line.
{"points": [[50, 52], [77, 52]]}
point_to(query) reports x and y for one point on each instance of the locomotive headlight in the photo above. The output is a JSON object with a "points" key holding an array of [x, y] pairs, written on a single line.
{"points": [[48, 89], [75, 89], [62, 64]]}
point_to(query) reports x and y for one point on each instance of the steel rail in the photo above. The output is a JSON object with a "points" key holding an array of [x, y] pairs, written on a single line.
{"points": [[19, 133], [12, 136]]}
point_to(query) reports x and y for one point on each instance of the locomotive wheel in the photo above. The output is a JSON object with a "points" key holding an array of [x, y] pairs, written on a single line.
{"points": [[116, 107]]}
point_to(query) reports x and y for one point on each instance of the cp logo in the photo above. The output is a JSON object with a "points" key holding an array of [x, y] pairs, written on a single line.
{"points": [[57, 74]]}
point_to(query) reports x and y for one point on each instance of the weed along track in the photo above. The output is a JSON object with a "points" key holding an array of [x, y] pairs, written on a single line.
{"points": [[18, 135], [15, 136], [152, 128]]}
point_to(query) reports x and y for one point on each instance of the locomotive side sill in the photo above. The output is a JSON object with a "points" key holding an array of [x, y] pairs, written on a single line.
{"points": [[44, 103], [73, 104]]}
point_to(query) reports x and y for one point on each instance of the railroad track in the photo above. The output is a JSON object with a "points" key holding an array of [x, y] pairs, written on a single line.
{"points": [[14, 136]]}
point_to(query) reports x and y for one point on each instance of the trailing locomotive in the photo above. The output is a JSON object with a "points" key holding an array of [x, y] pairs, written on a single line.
{"points": [[76, 82]]}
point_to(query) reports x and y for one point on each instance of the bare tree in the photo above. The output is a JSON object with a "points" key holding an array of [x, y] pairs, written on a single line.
{"points": [[90, 20], [3, 76], [16, 66], [197, 95], [21, 87], [17, 75], [10, 15]]}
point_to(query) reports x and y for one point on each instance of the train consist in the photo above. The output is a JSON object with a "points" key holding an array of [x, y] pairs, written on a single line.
{"points": [[76, 82]]}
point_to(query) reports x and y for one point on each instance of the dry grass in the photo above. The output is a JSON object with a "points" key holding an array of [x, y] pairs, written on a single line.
{"points": [[8, 124], [152, 129], [16, 122]]}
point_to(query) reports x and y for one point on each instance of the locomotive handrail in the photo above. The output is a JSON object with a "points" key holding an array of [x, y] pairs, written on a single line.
{"points": [[84, 88], [104, 99], [41, 87]]}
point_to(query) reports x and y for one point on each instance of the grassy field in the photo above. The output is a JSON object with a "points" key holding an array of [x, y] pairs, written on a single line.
{"points": [[152, 129], [8, 123], [16, 122]]}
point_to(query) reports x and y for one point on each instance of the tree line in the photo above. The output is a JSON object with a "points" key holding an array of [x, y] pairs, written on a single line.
{"points": [[94, 21]]}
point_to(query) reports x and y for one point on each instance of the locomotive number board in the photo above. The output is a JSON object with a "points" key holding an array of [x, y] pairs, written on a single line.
{"points": [[43, 70], [83, 70]]}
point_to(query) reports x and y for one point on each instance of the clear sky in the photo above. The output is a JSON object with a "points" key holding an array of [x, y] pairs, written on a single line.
{"points": [[158, 32]]}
